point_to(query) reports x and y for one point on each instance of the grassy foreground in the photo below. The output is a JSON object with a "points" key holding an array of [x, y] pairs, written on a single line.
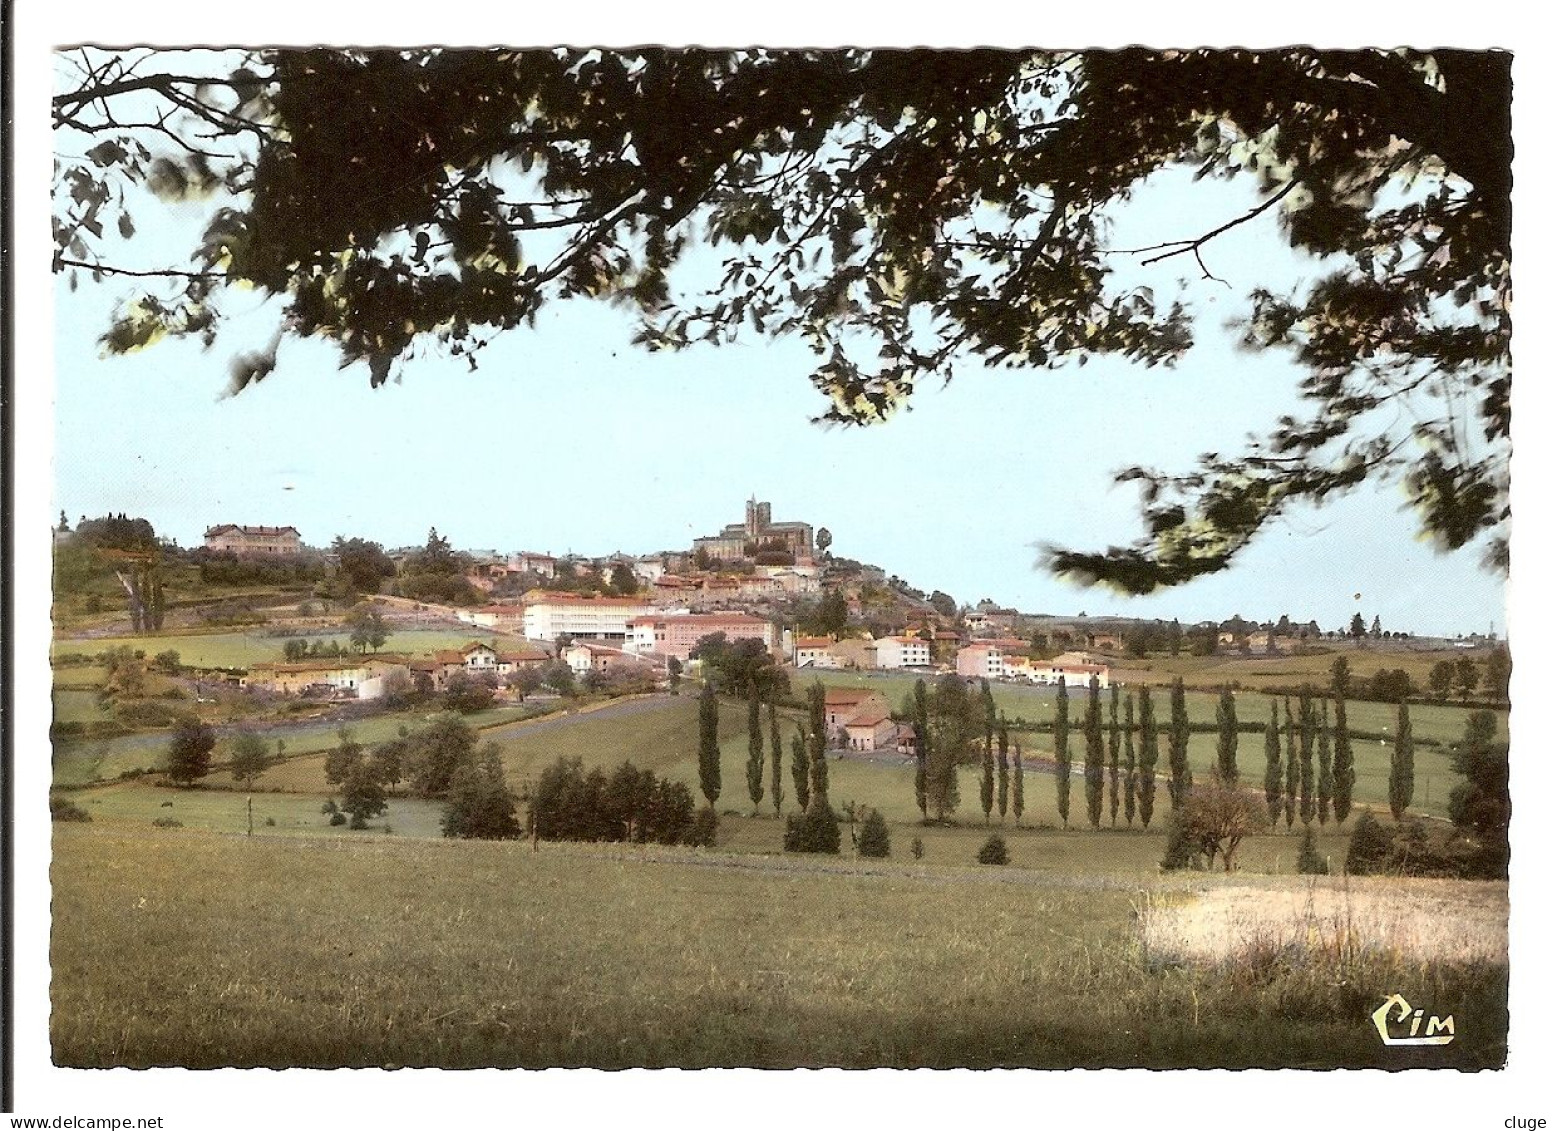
{"points": [[182, 947]]}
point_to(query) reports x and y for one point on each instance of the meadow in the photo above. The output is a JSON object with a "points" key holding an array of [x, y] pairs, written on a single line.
{"points": [[181, 947], [204, 649]]}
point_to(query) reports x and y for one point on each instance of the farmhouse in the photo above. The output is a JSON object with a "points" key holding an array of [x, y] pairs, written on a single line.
{"points": [[871, 730], [254, 541], [356, 678], [844, 704], [814, 652]]}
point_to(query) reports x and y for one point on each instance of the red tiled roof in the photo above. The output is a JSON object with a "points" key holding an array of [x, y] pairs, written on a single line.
{"points": [[869, 719]]}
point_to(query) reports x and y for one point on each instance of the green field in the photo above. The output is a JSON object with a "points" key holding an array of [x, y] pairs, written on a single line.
{"points": [[179, 947], [1430, 722], [240, 649]]}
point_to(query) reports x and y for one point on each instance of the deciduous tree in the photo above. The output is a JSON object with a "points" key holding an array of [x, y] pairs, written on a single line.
{"points": [[907, 212], [189, 751]]}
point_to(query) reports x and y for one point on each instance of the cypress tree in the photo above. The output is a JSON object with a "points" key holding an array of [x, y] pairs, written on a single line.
{"points": [[1129, 760], [1016, 785], [1113, 755], [1004, 768], [1306, 757], [987, 763], [1402, 769], [754, 751], [1292, 766], [1326, 770], [1181, 779], [1062, 753], [1345, 771], [1093, 728], [921, 716], [1148, 766], [708, 744], [817, 701], [1227, 737], [800, 770], [1273, 767], [776, 746]]}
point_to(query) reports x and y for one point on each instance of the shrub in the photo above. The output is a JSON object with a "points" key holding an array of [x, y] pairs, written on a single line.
{"points": [[875, 841], [175, 693], [815, 830], [917, 848], [1309, 862], [1182, 851], [144, 713], [168, 823], [70, 729], [270, 821], [337, 818], [63, 809], [704, 830], [994, 851], [1369, 849], [107, 728]]}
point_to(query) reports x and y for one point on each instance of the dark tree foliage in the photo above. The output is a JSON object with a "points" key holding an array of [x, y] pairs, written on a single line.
{"points": [[1368, 848], [480, 804], [708, 771], [904, 212], [1017, 785], [1306, 728], [342, 758], [433, 752], [1309, 861], [919, 712], [1326, 796], [1003, 769], [1113, 756], [1273, 779], [816, 706], [1180, 778], [1227, 736], [1290, 801], [628, 804], [875, 839], [754, 753], [987, 753], [954, 728], [1500, 669], [1402, 764], [1481, 804], [1092, 731], [467, 694], [250, 757], [1147, 770], [743, 668], [1129, 761], [1345, 770], [1062, 753], [993, 850], [776, 760], [363, 794], [800, 770], [189, 751], [362, 564], [815, 830]]}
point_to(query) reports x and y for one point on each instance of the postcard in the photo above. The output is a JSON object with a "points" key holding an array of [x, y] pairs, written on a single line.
{"points": [[765, 558]]}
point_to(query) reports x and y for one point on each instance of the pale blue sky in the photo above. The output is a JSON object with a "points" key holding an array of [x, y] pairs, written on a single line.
{"points": [[569, 438]]}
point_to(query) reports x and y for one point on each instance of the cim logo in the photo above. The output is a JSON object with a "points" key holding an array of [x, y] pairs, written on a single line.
{"points": [[1437, 1030]]}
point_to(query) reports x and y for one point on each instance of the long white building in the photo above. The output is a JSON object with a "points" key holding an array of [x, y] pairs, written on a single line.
{"points": [[592, 618]]}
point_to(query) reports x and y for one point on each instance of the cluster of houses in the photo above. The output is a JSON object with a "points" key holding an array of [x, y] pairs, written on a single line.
{"points": [[372, 676]]}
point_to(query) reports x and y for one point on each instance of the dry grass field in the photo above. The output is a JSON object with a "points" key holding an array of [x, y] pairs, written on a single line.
{"points": [[182, 947]]}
